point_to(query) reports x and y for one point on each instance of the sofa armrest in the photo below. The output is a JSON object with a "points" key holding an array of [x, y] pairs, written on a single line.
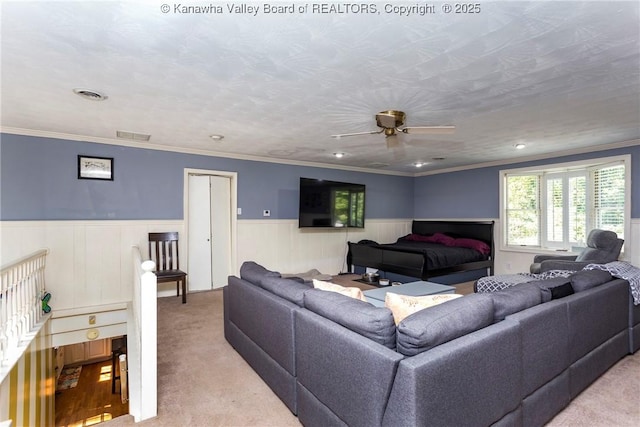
{"points": [[553, 264], [544, 257]]}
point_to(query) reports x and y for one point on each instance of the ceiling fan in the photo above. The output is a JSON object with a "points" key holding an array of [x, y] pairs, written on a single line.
{"points": [[390, 123]]}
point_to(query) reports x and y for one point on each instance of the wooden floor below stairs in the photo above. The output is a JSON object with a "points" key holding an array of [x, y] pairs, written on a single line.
{"points": [[91, 401]]}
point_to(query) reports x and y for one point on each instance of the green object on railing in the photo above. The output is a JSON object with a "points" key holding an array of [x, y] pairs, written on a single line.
{"points": [[45, 302]]}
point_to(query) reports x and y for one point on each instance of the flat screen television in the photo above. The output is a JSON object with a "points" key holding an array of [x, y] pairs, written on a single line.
{"points": [[331, 204]]}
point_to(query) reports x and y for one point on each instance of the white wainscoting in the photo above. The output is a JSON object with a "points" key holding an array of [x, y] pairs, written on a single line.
{"points": [[89, 263], [280, 245]]}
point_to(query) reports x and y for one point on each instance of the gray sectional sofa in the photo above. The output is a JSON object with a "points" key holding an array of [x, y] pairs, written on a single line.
{"points": [[511, 358]]}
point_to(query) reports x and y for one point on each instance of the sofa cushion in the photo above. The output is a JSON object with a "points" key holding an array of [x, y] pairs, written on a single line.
{"points": [[587, 279], [352, 292], [375, 323], [403, 305], [429, 328], [289, 289], [254, 272], [515, 299], [547, 285]]}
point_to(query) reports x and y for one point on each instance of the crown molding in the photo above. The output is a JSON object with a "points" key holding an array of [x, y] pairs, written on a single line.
{"points": [[150, 146], [591, 149], [157, 147]]}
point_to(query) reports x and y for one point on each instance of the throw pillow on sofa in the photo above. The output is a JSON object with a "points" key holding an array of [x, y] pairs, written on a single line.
{"points": [[352, 292], [403, 305]]}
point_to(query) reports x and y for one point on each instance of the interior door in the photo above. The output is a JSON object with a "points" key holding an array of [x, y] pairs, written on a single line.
{"points": [[220, 230], [199, 265], [209, 232]]}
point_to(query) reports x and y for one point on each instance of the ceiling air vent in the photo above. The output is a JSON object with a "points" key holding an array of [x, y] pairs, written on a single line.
{"points": [[90, 94], [378, 165], [132, 136]]}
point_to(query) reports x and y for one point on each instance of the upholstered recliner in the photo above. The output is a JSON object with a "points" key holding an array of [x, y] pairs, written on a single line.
{"points": [[603, 246]]}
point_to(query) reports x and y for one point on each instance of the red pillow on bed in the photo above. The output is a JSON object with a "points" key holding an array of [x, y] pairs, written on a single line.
{"points": [[478, 245], [416, 238], [443, 239]]}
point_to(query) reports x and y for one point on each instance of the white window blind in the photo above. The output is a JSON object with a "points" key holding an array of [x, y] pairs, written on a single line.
{"points": [[556, 208], [609, 198]]}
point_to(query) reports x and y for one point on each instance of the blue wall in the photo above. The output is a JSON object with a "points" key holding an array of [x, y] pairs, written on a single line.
{"points": [[38, 181], [475, 193]]}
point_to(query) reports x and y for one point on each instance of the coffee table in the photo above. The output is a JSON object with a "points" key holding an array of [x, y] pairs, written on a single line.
{"points": [[419, 288]]}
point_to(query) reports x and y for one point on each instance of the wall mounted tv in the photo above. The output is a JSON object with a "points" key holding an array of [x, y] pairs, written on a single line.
{"points": [[331, 204]]}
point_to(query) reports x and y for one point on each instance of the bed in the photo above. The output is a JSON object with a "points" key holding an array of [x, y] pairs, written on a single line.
{"points": [[432, 249]]}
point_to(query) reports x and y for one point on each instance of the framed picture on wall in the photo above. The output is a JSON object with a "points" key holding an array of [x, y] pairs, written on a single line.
{"points": [[95, 168]]}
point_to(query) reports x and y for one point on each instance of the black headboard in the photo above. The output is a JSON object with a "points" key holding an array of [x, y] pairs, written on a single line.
{"points": [[480, 230]]}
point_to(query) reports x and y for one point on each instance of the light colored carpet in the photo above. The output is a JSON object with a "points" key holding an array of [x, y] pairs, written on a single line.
{"points": [[202, 381]]}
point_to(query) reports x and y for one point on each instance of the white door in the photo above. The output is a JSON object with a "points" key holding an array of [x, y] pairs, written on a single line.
{"points": [[220, 230], [209, 231]]}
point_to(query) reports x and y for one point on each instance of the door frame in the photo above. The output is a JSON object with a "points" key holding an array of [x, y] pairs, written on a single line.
{"points": [[233, 180]]}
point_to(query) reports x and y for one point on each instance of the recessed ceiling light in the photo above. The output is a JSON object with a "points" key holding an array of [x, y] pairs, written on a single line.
{"points": [[338, 155], [90, 94], [519, 146], [216, 137], [418, 164]]}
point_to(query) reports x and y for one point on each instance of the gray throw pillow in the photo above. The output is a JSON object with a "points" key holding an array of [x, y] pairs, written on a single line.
{"points": [[587, 279], [375, 323]]}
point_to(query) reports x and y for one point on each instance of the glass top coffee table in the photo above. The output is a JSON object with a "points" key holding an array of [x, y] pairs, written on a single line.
{"points": [[419, 288]]}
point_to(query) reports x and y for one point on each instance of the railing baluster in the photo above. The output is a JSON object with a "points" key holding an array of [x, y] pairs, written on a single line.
{"points": [[21, 288]]}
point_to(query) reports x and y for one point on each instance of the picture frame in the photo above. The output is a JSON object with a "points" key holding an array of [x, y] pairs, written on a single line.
{"points": [[100, 168]]}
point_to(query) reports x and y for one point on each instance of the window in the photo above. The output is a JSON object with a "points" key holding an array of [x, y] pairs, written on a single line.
{"points": [[557, 206]]}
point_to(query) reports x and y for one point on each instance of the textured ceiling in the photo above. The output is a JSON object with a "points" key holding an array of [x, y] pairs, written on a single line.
{"points": [[554, 75]]}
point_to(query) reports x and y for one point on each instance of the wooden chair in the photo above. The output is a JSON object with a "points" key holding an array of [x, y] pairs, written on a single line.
{"points": [[163, 250]]}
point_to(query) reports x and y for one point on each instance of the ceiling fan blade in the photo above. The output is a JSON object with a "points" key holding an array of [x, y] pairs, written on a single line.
{"points": [[432, 130], [357, 133], [392, 141]]}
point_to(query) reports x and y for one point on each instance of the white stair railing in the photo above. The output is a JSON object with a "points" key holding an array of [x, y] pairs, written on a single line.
{"points": [[21, 290], [142, 338]]}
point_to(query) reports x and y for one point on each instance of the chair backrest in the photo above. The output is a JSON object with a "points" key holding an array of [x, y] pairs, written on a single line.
{"points": [[603, 246], [163, 250]]}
